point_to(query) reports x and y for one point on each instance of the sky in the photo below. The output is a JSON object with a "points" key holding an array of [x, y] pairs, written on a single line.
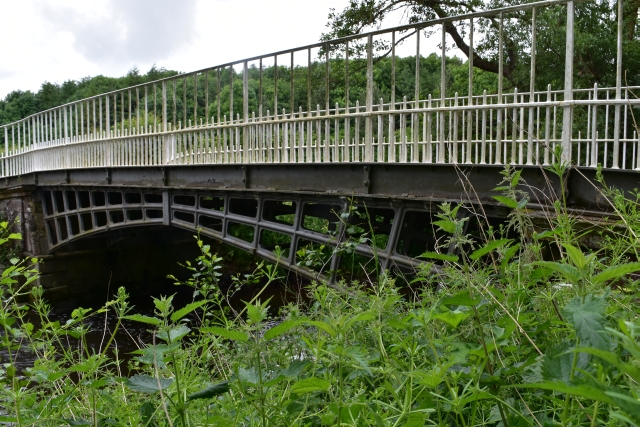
{"points": [[59, 40]]}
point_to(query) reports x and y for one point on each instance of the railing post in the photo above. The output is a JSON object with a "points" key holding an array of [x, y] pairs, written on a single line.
{"points": [[443, 98], [368, 130], [567, 114], [532, 88], [470, 97], [165, 137], [66, 127], [498, 153], [245, 112], [616, 123]]}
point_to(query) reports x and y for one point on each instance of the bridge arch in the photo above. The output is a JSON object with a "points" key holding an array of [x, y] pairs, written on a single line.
{"points": [[310, 230]]}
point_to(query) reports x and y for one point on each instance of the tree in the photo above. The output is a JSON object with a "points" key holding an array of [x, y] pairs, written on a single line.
{"points": [[595, 35]]}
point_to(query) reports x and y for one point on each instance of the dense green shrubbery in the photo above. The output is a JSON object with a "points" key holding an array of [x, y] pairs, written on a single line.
{"points": [[498, 336]]}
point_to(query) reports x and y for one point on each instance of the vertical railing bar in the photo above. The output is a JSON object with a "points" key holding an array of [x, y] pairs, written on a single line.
{"points": [[625, 115], [77, 125], [414, 128], [95, 121], [567, 113], [392, 106], [443, 88], [146, 109], [616, 123], [532, 87], [184, 100], [115, 115], [245, 113], [500, 84], [137, 110], [217, 96], [107, 116], [326, 80], [368, 132], [195, 99], [164, 106], [175, 103], [470, 94], [547, 128], [122, 111], [275, 89], [346, 78], [310, 126], [291, 88], [483, 151], [594, 127], [206, 97], [66, 128], [327, 123]]}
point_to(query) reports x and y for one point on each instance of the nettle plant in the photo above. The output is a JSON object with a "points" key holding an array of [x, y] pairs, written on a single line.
{"points": [[493, 334]]}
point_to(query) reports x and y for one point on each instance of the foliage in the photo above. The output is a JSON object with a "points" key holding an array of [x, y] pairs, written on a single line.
{"points": [[20, 104], [595, 36], [495, 334]]}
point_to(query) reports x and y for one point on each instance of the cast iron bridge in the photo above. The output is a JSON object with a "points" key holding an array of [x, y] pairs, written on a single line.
{"points": [[297, 149]]}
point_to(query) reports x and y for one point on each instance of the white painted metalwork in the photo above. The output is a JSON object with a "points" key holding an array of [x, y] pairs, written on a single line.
{"points": [[166, 128]]}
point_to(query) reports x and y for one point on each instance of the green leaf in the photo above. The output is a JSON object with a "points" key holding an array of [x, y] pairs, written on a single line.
{"points": [[248, 376], [453, 318], [324, 326], [508, 202], [545, 234], [147, 410], [187, 309], [446, 226], [15, 236], [576, 256], [615, 272], [613, 359], [365, 316], [509, 254], [291, 371], [144, 319], [295, 368], [442, 257], [587, 391], [310, 385], [175, 334], [558, 362], [522, 203], [147, 384], [569, 272], [281, 328], [77, 422], [461, 298], [210, 391], [159, 349], [491, 246], [516, 178], [225, 333], [154, 354], [588, 320], [474, 397]]}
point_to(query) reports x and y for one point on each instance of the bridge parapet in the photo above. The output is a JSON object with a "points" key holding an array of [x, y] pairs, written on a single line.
{"points": [[335, 112]]}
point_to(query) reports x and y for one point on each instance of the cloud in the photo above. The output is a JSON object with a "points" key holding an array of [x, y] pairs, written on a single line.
{"points": [[125, 31]]}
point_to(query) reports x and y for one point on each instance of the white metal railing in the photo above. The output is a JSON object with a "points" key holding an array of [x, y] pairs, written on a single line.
{"points": [[132, 127]]}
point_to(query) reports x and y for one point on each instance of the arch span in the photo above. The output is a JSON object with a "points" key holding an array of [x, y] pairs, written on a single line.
{"points": [[306, 233]]}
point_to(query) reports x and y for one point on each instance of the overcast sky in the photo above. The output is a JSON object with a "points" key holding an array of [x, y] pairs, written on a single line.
{"points": [[58, 40]]}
